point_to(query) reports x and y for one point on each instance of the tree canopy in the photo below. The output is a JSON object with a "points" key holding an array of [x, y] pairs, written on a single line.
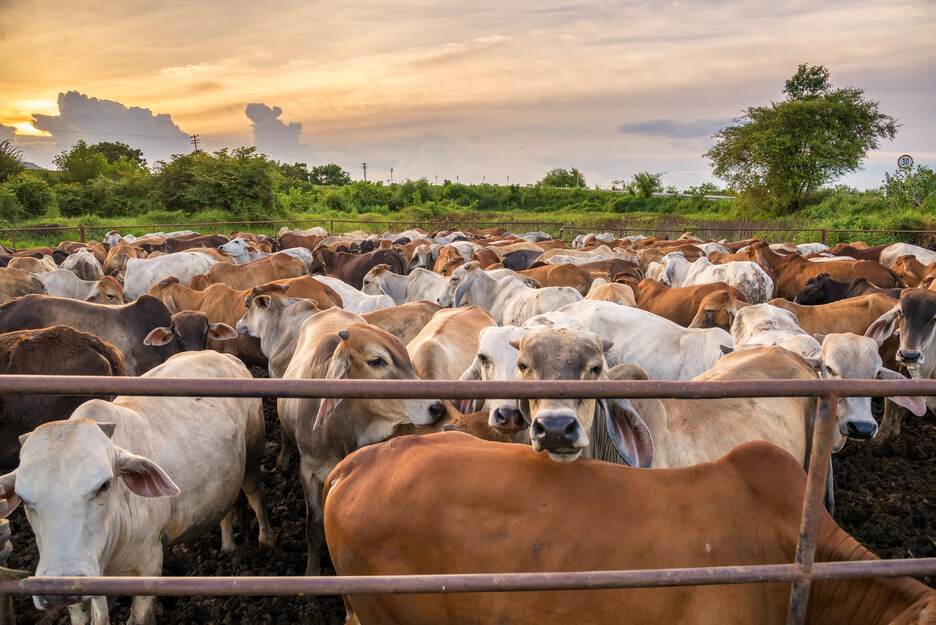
{"points": [[783, 152], [561, 177], [11, 159]]}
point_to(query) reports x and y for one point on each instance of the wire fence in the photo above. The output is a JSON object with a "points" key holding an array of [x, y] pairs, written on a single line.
{"points": [[52, 235], [801, 572]]}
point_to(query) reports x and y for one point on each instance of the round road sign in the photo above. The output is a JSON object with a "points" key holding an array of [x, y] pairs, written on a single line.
{"points": [[905, 161]]}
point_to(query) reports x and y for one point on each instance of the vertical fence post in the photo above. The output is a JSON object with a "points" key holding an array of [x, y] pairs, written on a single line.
{"points": [[820, 457], [81, 234], [13, 239], [823, 237]]}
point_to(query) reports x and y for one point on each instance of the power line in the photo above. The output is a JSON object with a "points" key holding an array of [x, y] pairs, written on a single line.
{"points": [[195, 142]]}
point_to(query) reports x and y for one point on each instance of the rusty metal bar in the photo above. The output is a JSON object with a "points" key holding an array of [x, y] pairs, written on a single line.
{"points": [[455, 389], [820, 459], [477, 582]]}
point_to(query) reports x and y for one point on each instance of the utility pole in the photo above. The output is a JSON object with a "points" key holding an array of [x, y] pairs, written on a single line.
{"points": [[364, 165], [195, 142], [391, 175]]}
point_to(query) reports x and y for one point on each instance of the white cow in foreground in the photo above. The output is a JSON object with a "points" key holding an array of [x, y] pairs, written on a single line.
{"points": [[665, 350], [107, 489], [507, 299], [746, 276]]}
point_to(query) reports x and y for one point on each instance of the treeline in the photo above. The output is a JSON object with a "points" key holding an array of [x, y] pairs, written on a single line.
{"points": [[106, 182]]}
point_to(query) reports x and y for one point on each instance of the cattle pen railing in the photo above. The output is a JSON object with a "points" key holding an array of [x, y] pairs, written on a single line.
{"points": [[801, 572]]}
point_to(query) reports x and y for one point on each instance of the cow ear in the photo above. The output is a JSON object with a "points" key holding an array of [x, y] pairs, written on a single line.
{"points": [[515, 343], [726, 349], [8, 497], [159, 336], [883, 327], [914, 404], [473, 372], [337, 370], [262, 302], [108, 428], [819, 337], [818, 366], [606, 345], [143, 476], [628, 432], [221, 332]]}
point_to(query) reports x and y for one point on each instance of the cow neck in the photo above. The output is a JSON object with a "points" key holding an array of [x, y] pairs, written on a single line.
{"points": [[884, 601]]}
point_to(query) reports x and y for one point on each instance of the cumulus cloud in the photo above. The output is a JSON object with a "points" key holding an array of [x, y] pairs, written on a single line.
{"points": [[95, 120], [274, 137], [675, 128], [7, 132]]}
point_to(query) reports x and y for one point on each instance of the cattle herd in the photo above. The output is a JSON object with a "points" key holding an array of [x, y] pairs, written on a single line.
{"points": [[413, 486]]}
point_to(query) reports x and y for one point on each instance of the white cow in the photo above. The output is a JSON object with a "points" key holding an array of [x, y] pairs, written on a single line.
{"points": [[84, 265], [242, 251], [64, 283], [420, 284], [356, 301], [746, 276], [891, 253], [665, 350], [764, 324], [97, 487], [143, 273], [507, 299]]}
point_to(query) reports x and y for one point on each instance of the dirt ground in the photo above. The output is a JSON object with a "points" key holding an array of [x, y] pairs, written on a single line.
{"points": [[885, 496]]}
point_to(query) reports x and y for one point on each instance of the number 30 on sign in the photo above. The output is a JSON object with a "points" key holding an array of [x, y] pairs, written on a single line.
{"points": [[905, 161]]}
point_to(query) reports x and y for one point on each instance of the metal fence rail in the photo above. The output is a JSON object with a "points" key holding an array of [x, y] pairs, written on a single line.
{"points": [[801, 572]]}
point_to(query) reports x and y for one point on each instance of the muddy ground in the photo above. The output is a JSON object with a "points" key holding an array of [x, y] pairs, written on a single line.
{"points": [[885, 496]]}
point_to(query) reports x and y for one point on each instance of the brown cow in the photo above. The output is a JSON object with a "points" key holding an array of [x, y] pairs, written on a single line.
{"points": [[446, 346], [613, 292], [679, 305], [718, 309], [226, 305], [16, 283], [609, 268], [912, 271], [589, 515], [351, 268], [793, 271], [403, 321], [561, 275], [118, 256], [447, 255], [486, 258], [58, 350], [248, 275]]}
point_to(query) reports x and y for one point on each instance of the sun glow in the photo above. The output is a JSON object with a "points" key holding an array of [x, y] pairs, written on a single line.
{"points": [[28, 130]]}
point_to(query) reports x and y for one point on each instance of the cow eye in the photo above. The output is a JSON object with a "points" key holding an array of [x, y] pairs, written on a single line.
{"points": [[376, 362], [482, 359], [522, 367], [103, 488], [596, 370]]}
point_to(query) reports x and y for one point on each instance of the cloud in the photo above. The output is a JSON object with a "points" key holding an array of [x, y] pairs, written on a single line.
{"points": [[95, 120], [7, 132], [273, 136], [675, 128]]}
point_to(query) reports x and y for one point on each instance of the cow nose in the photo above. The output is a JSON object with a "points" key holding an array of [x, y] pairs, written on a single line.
{"points": [[860, 429], [436, 411], [50, 602], [909, 356], [507, 418], [554, 432]]}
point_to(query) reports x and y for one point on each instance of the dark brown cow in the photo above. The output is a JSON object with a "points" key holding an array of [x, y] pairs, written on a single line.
{"points": [[16, 283], [507, 509], [124, 327], [351, 268], [611, 267], [823, 289], [289, 240], [190, 329], [58, 350], [181, 244], [868, 253], [679, 305], [561, 275], [486, 258]]}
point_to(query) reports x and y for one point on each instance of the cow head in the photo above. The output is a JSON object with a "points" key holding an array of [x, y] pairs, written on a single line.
{"points": [[562, 427], [914, 319], [239, 249], [373, 283], [815, 291], [265, 304], [190, 330], [365, 352], [458, 285], [108, 291], [849, 356], [71, 480], [496, 360], [716, 310]]}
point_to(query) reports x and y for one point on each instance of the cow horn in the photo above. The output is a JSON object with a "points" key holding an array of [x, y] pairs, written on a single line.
{"points": [[256, 290], [343, 334]]}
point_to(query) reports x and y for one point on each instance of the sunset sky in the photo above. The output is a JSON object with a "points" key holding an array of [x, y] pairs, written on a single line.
{"points": [[475, 90]]}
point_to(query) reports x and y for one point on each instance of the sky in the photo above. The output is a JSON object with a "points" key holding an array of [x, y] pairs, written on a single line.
{"points": [[479, 91]]}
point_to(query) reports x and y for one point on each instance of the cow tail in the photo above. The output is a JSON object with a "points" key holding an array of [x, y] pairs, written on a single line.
{"points": [[111, 354]]}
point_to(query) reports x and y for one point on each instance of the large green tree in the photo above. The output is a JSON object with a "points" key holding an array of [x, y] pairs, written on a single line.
{"points": [[783, 152], [330, 174], [561, 177], [114, 151], [11, 160]]}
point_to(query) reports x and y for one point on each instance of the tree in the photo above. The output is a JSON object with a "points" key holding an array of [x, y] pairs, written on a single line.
{"points": [[912, 187], [11, 160], [784, 152], [113, 152], [330, 174], [561, 177], [296, 171], [646, 183], [81, 163]]}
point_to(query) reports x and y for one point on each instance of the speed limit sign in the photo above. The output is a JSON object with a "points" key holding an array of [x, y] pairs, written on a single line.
{"points": [[905, 161]]}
